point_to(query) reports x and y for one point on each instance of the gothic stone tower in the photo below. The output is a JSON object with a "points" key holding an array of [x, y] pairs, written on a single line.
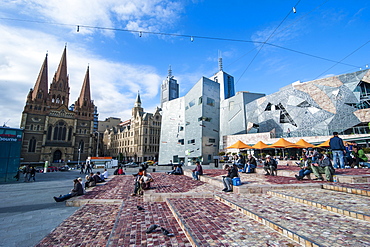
{"points": [[52, 132]]}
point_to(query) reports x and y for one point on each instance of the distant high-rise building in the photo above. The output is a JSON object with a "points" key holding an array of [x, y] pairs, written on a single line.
{"points": [[169, 89], [226, 81]]}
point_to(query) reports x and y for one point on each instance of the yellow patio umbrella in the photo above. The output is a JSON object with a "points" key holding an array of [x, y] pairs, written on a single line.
{"points": [[304, 144], [240, 145]]}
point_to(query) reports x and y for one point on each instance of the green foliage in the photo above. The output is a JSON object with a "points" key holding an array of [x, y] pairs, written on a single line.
{"points": [[221, 153], [366, 150]]}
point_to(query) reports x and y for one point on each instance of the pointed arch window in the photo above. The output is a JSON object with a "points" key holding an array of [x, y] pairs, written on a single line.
{"points": [[32, 145], [70, 133], [60, 131], [82, 146], [50, 129]]}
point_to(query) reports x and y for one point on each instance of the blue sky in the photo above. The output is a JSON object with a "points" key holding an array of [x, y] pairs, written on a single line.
{"points": [[123, 63]]}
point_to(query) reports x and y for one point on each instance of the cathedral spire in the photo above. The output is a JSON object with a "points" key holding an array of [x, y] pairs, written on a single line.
{"points": [[41, 85], [138, 100], [61, 74], [85, 90]]}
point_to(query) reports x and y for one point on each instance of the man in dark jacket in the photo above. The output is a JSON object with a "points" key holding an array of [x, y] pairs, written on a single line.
{"points": [[76, 191], [338, 149], [232, 172], [270, 166]]}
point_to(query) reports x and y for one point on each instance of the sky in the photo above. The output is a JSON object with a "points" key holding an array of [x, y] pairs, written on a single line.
{"points": [[264, 44]]}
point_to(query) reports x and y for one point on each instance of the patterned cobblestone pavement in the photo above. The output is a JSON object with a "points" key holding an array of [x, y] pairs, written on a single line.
{"points": [[224, 226], [345, 201], [132, 223], [321, 226], [125, 225], [90, 225]]}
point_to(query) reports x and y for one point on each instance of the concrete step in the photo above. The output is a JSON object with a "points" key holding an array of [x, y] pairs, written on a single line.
{"points": [[358, 189], [208, 222], [308, 225], [351, 205]]}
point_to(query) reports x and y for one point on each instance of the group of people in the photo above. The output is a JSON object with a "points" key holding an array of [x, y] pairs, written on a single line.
{"points": [[246, 165], [29, 172], [79, 186], [86, 168]]}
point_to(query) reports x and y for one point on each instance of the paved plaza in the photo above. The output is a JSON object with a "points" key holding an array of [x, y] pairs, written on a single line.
{"points": [[263, 211]]}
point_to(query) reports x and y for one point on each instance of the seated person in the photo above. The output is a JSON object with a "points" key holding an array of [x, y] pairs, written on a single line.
{"points": [[232, 172], [270, 166], [197, 171], [251, 164], [305, 168], [240, 162], [137, 188], [90, 181], [104, 175], [142, 182], [76, 191], [97, 178], [322, 166], [177, 171], [358, 156]]}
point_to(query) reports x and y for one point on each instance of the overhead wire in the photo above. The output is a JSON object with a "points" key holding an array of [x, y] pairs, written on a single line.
{"points": [[343, 58], [268, 38], [192, 37]]}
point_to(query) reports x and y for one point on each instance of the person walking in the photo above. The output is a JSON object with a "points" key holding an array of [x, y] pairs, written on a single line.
{"points": [[337, 147], [82, 168], [32, 174]]}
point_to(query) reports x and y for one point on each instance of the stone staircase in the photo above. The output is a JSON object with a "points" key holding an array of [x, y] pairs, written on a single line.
{"points": [[200, 214]]}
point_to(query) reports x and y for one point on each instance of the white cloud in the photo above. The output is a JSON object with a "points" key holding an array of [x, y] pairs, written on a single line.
{"points": [[114, 85]]}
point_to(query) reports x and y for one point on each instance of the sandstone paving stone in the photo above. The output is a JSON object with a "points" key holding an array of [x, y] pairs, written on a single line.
{"points": [[346, 201], [90, 225], [212, 223], [325, 228]]}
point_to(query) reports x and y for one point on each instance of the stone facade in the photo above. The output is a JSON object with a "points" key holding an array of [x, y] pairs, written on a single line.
{"points": [[52, 132], [136, 139]]}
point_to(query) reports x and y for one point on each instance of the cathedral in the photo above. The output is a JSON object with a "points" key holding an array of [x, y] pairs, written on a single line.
{"points": [[53, 131]]}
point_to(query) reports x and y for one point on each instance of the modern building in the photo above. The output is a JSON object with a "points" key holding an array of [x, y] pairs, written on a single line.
{"points": [[169, 88], [315, 108], [136, 139], [190, 125], [10, 153], [53, 132]]}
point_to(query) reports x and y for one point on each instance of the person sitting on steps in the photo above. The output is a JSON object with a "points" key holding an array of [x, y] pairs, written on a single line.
{"points": [[232, 172], [197, 171], [270, 166], [305, 168], [323, 166], [76, 191], [250, 165]]}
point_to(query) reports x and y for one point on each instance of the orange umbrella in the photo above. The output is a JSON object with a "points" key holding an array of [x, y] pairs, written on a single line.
{"points": [[324, 144], [260, 145], [304, 144], [240, 145], [282, 143]]}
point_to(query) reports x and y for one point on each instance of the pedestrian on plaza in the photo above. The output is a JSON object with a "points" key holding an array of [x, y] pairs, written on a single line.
{"points": [[88, 168], [104, 175], [305, 168], [198, 171], [32, 174], [82, 168], [232, 172], [26, 172], [323, 166], [337, 147], [358, 156], [270, 166], [76, 191], [250, 165]]}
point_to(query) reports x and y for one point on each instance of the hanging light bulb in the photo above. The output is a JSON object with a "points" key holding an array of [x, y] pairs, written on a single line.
{"points": [[78, 28], [294, 10], [191, 39], [140, 34]]}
